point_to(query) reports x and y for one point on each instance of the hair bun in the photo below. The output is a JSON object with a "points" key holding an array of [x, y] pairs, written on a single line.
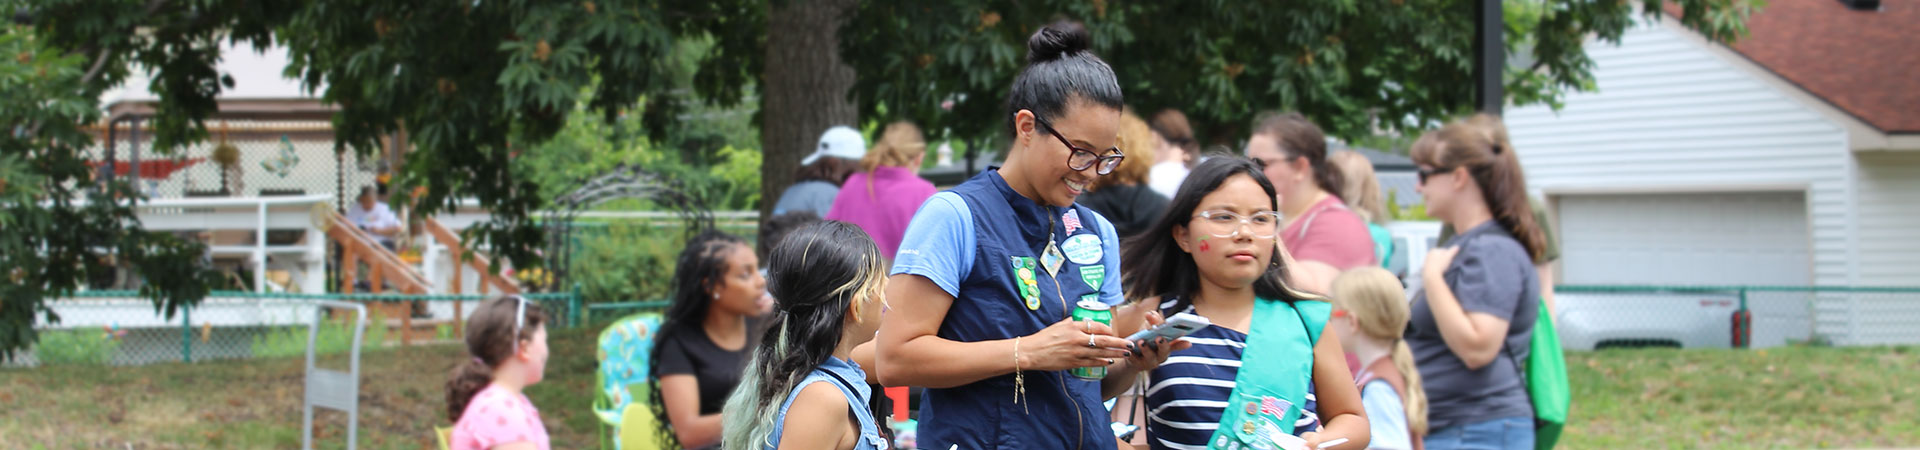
{"points": [[1061, 39]]}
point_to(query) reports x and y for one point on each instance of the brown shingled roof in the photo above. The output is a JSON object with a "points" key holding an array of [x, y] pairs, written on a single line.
{"points": [[1867, 63]]}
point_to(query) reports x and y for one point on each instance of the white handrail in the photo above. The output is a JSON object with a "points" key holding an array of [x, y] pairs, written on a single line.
{"points": [[226, 213], [202, 202]]}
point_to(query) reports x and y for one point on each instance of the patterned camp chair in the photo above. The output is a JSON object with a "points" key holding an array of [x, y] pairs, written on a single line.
{"points": [[623, 395]]}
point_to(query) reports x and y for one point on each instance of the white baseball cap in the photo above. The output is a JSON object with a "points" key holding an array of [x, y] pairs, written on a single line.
{"points": [[840, 142]]}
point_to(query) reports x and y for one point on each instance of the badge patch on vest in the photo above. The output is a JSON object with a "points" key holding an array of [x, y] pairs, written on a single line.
{"points": [[1071, 219], [1052, 259], [1084, 249], [1093, 275], [1029, 283]]}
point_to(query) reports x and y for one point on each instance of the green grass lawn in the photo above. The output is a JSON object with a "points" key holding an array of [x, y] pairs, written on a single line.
{"points": [[256, 403], [1784, 397], [1801, 397]]}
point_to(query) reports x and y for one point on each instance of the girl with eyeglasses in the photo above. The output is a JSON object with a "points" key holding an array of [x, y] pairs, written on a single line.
{"points": [[507, 337], [1263, 374], [989, 272]]}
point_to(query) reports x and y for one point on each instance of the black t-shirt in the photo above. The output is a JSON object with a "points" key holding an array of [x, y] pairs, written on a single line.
{"points": [[688, 350]]}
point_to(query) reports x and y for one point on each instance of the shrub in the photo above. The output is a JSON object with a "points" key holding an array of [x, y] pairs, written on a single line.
{"points": [[80, 346]]}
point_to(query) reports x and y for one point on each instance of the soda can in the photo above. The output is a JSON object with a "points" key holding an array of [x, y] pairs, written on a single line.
{"points": [[1098, 312]]}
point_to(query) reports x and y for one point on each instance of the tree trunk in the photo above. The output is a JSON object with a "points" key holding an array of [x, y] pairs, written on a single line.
{"points": [[806, 87]]}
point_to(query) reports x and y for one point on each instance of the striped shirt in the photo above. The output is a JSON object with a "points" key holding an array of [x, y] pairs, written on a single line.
{"points": [[1187, 394]]}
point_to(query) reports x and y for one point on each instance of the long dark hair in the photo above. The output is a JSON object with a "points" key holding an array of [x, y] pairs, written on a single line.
{"points": [[490, 341], [816, 274], [1059, 69], [1156, 266], [1480, 145], [1300, 138], [700, 268]]}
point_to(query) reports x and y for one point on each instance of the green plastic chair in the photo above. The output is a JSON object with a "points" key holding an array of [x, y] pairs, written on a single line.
{"points": [[621, 403]]}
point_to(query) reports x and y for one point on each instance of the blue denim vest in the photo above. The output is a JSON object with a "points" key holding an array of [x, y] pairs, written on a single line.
{"points": [[853, 382], [1059, 411]]}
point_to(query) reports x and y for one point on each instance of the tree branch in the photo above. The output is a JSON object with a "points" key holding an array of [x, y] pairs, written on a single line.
{"points": [[99, 62]]}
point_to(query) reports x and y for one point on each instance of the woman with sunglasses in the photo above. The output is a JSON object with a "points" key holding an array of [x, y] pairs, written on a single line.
{"points": [[1263, 374], [507, 337], [1322, 236], [1472, 321], [989, 273]]}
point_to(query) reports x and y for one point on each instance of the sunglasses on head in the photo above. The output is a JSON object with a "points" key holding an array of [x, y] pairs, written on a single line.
{"points": [[519, 321]]}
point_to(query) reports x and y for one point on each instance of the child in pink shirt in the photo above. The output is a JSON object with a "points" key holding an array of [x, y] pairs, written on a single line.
{"points": [[508, 341]]}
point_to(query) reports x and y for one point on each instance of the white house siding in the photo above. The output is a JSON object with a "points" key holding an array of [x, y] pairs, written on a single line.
{"points": [[1888, 235], [1889, 219], [1676, 114], [1671, 115]]}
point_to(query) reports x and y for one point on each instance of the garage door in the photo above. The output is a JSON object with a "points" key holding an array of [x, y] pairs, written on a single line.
{"points": [[1685, 239]]}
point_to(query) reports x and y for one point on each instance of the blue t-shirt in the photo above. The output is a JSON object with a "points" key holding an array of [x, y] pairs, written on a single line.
{"points": [[940, 243], [810, 195]]}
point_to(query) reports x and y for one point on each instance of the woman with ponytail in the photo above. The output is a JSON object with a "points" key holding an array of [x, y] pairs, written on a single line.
{"points": [[882, 197], [1473, 318], [1321, 234], [1370, 315], [802, 388], [507, 339]]}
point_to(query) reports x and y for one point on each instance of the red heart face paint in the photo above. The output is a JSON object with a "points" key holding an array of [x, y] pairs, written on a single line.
{"points": [[1203, 244]]}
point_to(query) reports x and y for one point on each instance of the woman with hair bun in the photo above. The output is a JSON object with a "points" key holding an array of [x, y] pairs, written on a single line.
{"points": [[989, 273]]}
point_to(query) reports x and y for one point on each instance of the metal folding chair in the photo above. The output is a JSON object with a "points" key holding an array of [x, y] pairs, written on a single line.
{"points": [[333, 389]]}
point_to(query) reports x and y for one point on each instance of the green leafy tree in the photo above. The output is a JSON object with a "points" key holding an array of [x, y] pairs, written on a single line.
{"points": [[790, 51], [1352, 65], [468, 83], [59, 226]]}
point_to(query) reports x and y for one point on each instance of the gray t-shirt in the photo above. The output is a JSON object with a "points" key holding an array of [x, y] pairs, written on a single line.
{"points": [[1491, 275], [810, 195]]}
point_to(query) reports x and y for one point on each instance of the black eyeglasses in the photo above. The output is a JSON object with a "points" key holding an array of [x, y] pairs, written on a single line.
{"points": [[1083, 157], [1429, 173]]}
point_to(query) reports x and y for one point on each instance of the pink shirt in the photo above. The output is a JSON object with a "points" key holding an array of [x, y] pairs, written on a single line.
{"points": [[497, 416], [1328, 232], [883, 212]]}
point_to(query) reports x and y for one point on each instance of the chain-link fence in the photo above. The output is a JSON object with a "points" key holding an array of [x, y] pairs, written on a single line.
{"points": [[263, 158], [121, 328], [1590, 317]]}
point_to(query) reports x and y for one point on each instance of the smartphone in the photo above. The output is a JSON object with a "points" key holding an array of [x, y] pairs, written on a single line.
{"points": [[1175, 327]]}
